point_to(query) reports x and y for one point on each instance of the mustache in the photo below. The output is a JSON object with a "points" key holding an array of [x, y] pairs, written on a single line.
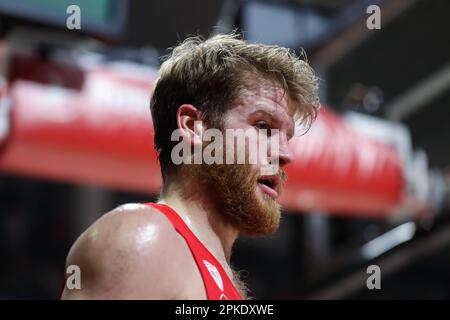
{"points": [[281, 174]]}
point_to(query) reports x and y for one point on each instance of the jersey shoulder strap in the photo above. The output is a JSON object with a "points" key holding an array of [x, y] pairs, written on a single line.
{"points": [[217, 283]]}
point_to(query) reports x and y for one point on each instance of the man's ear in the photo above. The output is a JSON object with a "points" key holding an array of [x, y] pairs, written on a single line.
{"points": [[189, 123]]}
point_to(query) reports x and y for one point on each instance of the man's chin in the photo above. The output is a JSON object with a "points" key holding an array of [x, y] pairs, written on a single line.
{"points": [[266, 218], [261, 232], [235, 192]]}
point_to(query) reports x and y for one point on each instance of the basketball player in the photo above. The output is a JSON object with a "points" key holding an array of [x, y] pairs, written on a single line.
{"points": [[180, 247]]}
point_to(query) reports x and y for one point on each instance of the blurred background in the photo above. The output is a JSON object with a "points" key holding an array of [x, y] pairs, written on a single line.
{"points": [[369, 184]]}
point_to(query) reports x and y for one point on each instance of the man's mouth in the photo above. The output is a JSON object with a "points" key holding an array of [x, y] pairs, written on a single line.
{"points": [[269, 185]]}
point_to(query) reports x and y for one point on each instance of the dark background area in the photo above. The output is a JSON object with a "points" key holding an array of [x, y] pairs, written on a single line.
{"points": [[314, 255]]}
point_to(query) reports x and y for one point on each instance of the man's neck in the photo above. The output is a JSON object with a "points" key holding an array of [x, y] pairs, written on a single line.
{"points": [[204, 220]]}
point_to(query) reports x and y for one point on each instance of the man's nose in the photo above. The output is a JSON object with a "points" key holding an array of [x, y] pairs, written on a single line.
{"points": [[283, 153], [285, 156]]}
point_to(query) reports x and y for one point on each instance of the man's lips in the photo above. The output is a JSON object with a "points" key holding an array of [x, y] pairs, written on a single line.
{"points": [[268, 190], [270, 185]]}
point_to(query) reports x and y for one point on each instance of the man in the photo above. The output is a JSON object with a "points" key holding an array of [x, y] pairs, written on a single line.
{"points": [[180, 248]]}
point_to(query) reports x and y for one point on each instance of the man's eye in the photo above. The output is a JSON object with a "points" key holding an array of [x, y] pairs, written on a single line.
{"points": [[262, 125]]}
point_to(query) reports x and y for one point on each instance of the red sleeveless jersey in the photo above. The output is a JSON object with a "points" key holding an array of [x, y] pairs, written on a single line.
{"points": [[217, 283]]}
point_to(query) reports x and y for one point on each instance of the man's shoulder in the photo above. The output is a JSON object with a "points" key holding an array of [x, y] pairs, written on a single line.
{"points": [[129, 246], [135, 219], [131, 228]]}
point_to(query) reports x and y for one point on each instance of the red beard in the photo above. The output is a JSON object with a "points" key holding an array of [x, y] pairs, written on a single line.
{"points": [[233, 191]]}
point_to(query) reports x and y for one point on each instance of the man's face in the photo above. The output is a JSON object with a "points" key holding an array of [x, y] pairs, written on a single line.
{"points": [[244, 193]]}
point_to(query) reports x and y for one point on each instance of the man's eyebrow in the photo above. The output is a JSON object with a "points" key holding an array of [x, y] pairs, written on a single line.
{"points": [[265, 112]]}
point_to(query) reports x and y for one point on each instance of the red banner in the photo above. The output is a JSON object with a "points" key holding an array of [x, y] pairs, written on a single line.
{"points": [[103, 135]]}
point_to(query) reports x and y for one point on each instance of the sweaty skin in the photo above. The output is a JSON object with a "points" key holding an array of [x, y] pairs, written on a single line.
{"points": [[134, 252]]}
